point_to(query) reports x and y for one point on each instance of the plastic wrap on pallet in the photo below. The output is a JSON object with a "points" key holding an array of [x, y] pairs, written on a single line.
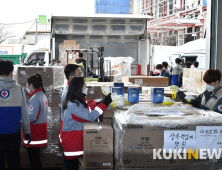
{"points": [[63, 47], [120, 66], [190, 85], [136, 134], [193, 80], [53, 77], [53, 127]]}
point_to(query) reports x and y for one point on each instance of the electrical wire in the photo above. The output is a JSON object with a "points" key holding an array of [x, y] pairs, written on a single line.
{"points": [[18, 23], [27, 31]]}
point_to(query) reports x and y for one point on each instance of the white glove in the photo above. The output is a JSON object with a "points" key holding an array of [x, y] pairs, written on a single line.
{"points": [[105, 90], [189, 97], [175, 88], [168, 99], [118, 101]]}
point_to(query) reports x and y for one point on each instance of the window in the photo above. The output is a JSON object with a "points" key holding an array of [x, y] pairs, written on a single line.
{"points": [[188, 58], [36, 56]]}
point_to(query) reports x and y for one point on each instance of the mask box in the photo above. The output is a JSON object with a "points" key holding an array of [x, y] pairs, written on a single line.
{"points": [[120, 85], [97, 145], [133, 95], [117, 90], [157, 95]]}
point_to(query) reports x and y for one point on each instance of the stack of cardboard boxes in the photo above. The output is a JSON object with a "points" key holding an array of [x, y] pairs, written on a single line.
{"points": [[193, 80], [63, 54]]}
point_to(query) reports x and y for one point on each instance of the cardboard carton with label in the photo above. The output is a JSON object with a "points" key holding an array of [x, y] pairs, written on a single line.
{"points": [[97, 145], [151, 81], [144, 128]]}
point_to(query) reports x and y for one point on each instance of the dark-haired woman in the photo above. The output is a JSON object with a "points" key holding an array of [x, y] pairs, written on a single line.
{"points": [[76, 111], [211, 98], [38, 109]]}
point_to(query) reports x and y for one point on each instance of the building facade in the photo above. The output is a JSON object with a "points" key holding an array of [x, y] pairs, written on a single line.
{"points": [[175, 22]]}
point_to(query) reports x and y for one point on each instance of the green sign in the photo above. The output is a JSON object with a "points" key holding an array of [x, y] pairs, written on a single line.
{"points": [[42, 19]]}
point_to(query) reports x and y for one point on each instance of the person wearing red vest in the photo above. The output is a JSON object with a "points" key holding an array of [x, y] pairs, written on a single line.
{"points": [[70, 71], [77, 111], [38, 109]]}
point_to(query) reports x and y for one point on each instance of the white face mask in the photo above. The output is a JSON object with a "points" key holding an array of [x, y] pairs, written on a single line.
{"points": [[28, 90], [85, 91], [210, 88]]}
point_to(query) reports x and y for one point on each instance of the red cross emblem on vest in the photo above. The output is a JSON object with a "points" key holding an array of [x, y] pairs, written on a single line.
{"points": [[46, 103], [220, 107], [4, 94], [30, 107]]}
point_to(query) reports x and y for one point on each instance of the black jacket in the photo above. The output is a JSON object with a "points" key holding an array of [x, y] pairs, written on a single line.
{"points": [[207, 95], [164, 73]]}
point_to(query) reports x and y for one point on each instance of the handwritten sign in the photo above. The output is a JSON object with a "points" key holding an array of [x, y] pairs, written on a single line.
{"points": [[175, 139], [211, 135]]}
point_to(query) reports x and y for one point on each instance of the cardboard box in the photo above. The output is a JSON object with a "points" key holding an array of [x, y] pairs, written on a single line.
{"points": [[23, 74], [186, 72], [139, 140], [108, 115], [72, 58], [72, 47], [61, 47], [58, 159], [133, 95], [55, 135], [82, 166], [157, 95], [138, 143], [47, 75], [151, 81], [137, 146], [94, 92], [192, 73], [97, 145], [54, 99], [69, 42]]}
